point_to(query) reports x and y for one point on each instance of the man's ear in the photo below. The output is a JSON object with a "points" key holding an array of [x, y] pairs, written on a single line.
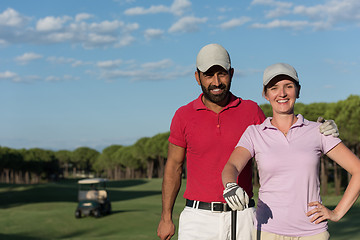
{"points": [[197, 77], [231, 71]]}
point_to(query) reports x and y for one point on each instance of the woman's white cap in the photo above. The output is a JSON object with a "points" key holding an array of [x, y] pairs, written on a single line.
{"points": [[211, 55], [279, 69]]}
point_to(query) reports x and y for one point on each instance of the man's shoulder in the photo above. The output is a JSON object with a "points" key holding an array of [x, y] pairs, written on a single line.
{"points": [[186, 110], [249, 105], [188, 107], [248, 102]]}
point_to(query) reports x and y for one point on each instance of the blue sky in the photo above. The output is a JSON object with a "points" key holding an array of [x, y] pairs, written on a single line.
{"points": [[95, 73]]}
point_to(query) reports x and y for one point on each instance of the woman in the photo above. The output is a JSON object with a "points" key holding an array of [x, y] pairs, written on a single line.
{"points": [[287, 149]]}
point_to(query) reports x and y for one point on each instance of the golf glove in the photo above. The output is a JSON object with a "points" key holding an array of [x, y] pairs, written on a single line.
{"points": [[235, 196], [328, 127]]}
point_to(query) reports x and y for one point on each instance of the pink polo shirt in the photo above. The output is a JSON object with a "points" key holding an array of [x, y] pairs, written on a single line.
{"points": [[209, 139], [289, 175]]}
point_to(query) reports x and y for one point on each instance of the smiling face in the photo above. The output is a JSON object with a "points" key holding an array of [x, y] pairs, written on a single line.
{"points": [[282, 92], [215, 84]]}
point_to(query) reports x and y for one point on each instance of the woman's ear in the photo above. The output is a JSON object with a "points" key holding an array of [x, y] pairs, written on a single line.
{"points": [[264, 93]]}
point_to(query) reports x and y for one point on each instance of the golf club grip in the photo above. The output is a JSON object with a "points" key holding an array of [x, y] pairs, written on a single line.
{"points": [[233, 225]]}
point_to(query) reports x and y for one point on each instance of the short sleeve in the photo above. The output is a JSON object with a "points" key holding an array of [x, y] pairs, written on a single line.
{"points": [[177, 136], [246, 140], [328, 142]]}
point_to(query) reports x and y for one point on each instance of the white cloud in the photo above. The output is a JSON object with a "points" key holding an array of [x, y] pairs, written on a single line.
{"points": [[342, 66], [187, 24], [8, 75], [66, 77], [65, 29], [282, 24], [152, 33], [178, 8], [144, 75], [109, 63], [78, 63], [51, 23], [333, 11], [60, 60], [319, 17], [82, 16], [52, 79], [225, 9], [278, 4], [143, 11], [125, 41], [162, 70], [59, 37], [27, 57], [236, 22], [280, 8], [12, 18], [106, 26], [165, 63], [101, 39]]}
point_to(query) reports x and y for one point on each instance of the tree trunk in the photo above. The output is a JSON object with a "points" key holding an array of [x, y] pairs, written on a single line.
{"points": [[7, 175], [27, 177], [337, 178], [150, 169], [66, 171], [255, 173], [324, 175], [128, 173], [161, 167]]}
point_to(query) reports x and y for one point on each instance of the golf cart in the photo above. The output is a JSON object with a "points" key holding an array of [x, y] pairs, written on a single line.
{"points": [[93, 198]]}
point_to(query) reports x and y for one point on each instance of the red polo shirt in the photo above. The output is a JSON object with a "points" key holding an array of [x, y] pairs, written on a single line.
{"points": [[209, 139]]}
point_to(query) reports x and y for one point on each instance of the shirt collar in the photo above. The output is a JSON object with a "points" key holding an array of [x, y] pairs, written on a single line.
{"points": [[234, 101], [300, 121]]}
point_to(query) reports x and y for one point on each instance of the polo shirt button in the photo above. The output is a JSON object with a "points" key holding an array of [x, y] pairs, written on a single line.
{"points": [[218, 126]]}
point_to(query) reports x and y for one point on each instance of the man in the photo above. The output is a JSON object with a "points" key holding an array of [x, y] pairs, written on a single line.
{"points": [[206, 130]]}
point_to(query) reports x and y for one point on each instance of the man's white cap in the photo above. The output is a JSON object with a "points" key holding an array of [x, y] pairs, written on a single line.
{"points": [[279, 69], [211, 55]]}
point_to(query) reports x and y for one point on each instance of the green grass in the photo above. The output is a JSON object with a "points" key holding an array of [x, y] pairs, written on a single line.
{"points": [[46, 211]]}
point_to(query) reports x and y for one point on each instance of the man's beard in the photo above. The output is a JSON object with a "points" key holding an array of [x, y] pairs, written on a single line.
{"points": [[218, 97]]}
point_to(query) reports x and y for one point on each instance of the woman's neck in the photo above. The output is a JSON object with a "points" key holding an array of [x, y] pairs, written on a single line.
{"points": [[283, 122]]}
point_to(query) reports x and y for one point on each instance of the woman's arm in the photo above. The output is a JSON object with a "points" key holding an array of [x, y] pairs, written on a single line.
{"points": [[347, 160], [236, 163]]}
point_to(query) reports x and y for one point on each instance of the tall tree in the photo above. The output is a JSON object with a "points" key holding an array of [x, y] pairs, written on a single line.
{"points": [[64, 158], [125, 157], [157, 148], [84, 157], [105, 161], [140, 152], [10, 160]]}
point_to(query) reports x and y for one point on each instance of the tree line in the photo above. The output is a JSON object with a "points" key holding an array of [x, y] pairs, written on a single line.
{"points": [[147, 156]]}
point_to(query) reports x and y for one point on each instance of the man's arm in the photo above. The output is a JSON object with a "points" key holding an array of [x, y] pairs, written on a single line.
{"points": [[170, 189]]}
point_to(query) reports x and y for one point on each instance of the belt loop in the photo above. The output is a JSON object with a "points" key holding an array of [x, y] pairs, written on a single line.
{"points": [[195, 204]]}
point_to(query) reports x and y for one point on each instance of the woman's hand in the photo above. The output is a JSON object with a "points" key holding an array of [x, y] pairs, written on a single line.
{"points": [[321, 213]]}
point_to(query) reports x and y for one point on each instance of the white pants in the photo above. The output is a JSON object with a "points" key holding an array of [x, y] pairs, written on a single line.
{"points": [[197, 224]]}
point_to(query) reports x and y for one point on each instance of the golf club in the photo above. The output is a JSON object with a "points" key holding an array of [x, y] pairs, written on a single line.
{"points": [[233, 225]]}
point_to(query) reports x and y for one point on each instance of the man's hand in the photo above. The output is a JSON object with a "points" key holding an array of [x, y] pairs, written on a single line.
{"points": [[235, 196], [328, 127], [166, 229]]}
